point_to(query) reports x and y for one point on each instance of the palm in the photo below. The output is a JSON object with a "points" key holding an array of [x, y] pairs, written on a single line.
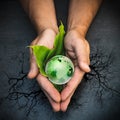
{"points": [[45, 39], [77, 49]]}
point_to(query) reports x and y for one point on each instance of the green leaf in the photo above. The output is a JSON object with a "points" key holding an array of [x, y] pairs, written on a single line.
{"points": [[58, 43], [43, 54], [58, 87], [40, 53]]}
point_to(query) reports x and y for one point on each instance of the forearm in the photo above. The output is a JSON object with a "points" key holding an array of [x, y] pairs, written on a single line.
{"points": [[41, 13], [81, 14]]}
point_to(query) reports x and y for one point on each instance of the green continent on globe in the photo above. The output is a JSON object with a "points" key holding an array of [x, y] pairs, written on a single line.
{"points": [[59, 69]]}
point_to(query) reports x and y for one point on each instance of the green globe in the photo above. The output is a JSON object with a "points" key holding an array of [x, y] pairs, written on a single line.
{"points": [[59, 69]]}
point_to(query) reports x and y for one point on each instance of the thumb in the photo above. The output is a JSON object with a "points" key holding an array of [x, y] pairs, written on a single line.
{"points": [[83, 59], [33, 68], [84, 66]]}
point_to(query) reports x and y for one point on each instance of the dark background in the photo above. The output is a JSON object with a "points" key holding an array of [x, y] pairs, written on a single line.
{"points": [[97, 97]]}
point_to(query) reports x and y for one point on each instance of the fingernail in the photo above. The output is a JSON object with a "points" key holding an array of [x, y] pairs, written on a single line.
{"points": [[29, 74], [86, 67]]}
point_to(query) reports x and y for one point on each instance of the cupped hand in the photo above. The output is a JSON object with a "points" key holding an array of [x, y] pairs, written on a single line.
{"points": [[46, 38], [77, 49]]}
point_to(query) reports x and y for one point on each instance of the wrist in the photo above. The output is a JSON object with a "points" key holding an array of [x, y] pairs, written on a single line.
{"points": [[79, 30], [47, 29], [78, 25], [45, 25]]}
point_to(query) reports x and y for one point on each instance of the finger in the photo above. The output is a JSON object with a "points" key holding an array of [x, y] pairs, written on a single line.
{"points": [[71, 55], [64, 104], [33, 66], [72, 84], [83, 57], [55, 105], [48, 87], [84, 66], [66, 100]]}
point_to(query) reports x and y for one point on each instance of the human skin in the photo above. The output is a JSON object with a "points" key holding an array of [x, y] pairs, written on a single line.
{"points": [[81, 14], [42, 15]]}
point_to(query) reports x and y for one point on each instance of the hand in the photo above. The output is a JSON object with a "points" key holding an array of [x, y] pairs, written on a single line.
{"points": [[77, 49], [46, 38]]}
